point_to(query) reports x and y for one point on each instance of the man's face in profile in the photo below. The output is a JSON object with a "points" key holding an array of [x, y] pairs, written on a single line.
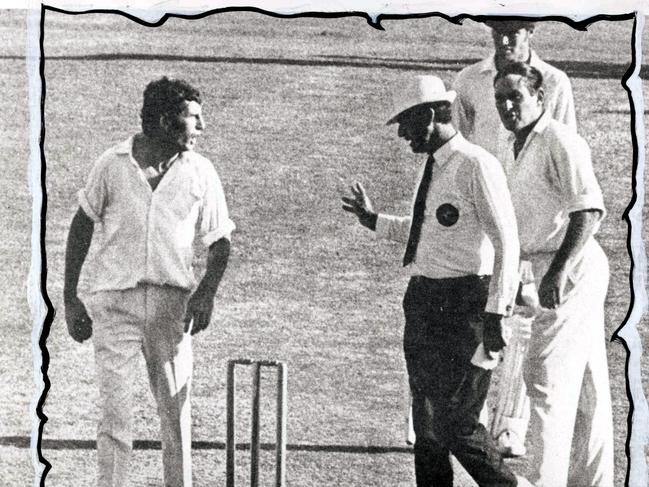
{"points": [[415, 126], [184, 129]]}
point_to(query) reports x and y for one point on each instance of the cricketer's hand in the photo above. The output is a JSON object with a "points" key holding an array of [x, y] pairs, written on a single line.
{"points": [[493, 336], [199, 310], [552, 288], [78, 320]]}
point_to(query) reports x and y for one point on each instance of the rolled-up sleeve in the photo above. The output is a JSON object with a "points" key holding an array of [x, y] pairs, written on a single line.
{"points": [[215, 221], [93, 197], [578, 184]]}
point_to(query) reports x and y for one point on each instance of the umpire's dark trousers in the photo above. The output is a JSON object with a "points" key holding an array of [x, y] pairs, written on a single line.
{"points": [[443, 329]]}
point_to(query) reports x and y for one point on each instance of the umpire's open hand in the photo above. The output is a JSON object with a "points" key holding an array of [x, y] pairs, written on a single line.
{"points": [[199, 310], [77, 319], [361, 206]]}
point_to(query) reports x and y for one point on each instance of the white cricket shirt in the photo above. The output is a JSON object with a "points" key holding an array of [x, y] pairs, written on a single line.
{"points": [[551, 177], [146, 235], [468, 214]]}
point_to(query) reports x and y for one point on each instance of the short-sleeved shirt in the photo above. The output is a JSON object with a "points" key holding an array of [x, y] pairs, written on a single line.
{"points": [[468, 213], [475, 113], [147, 236], [551, 177]]}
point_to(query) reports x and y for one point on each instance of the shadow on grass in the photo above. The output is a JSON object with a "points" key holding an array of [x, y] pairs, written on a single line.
{"points": [[73, 444], [616, 112], [574, 69]]}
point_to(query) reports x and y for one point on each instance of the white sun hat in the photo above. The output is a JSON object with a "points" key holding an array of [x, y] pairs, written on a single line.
{"points": [[418, 90]]}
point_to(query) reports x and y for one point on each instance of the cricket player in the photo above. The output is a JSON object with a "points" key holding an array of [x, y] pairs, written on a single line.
{"points": [[475, 114], [143, 202], [462, 229], [477, 119], [559, 206]]}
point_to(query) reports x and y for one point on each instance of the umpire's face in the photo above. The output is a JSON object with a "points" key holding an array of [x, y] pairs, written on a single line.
{"points": [[416, 126], [517, 106]]}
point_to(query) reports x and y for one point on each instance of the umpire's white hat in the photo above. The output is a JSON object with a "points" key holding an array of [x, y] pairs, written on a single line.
{"points": [[419, 90]]}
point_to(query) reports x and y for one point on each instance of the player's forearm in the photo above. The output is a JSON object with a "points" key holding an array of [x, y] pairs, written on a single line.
{"points": [[78, 244], [217, 261], [580, 229]]}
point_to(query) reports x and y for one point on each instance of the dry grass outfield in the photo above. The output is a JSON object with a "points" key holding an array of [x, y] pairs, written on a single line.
{"points": [[295, 111]]}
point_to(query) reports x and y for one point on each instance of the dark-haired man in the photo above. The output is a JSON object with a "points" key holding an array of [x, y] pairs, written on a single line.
{"points": [[142, 203], [462, 252], [477, 119], [474, 113], [559, 206]]}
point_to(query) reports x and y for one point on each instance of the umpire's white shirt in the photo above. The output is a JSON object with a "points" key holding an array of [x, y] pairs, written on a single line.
{"points": [[468, 213], [147, 236], [474, 110]]}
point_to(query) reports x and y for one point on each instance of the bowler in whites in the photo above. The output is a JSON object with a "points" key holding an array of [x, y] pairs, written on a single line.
{"points": [[144, 201]]}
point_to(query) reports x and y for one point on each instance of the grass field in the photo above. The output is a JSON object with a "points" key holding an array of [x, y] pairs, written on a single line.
{"points": [[295, 111]]}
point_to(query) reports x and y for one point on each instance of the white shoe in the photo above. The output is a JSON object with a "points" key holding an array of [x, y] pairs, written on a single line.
{"points": [[510, 445]]}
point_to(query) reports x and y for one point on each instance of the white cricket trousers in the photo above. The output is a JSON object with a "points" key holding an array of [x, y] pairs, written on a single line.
{"points": [[146, 319], [570, 437]]}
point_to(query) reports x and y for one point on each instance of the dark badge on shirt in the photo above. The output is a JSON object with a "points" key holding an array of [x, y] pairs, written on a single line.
{"points": [[447, 214]]}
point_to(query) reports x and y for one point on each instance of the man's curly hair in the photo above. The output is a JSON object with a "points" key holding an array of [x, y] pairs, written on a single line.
{"points": [[165, 97]]}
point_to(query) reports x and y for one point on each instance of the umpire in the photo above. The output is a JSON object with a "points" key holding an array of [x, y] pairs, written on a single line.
{"points": [[462, 230]]}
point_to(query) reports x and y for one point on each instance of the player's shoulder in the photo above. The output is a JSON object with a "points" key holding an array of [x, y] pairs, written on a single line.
{"points": [[550, 73], [558, 129], [473, 71], [198, 160], [113, 155], [558, 135], [118, 149], [477, 156], [201, 166]]}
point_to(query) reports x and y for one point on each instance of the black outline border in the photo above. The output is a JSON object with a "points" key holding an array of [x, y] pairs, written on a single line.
{"points": [[581, 25], [50, 313]]}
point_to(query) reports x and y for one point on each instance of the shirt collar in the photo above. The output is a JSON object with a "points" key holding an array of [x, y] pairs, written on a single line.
{"points": [[444, 153], [489, 64], [542, 123], [539, 127], [535, 61], [125, 147]]}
